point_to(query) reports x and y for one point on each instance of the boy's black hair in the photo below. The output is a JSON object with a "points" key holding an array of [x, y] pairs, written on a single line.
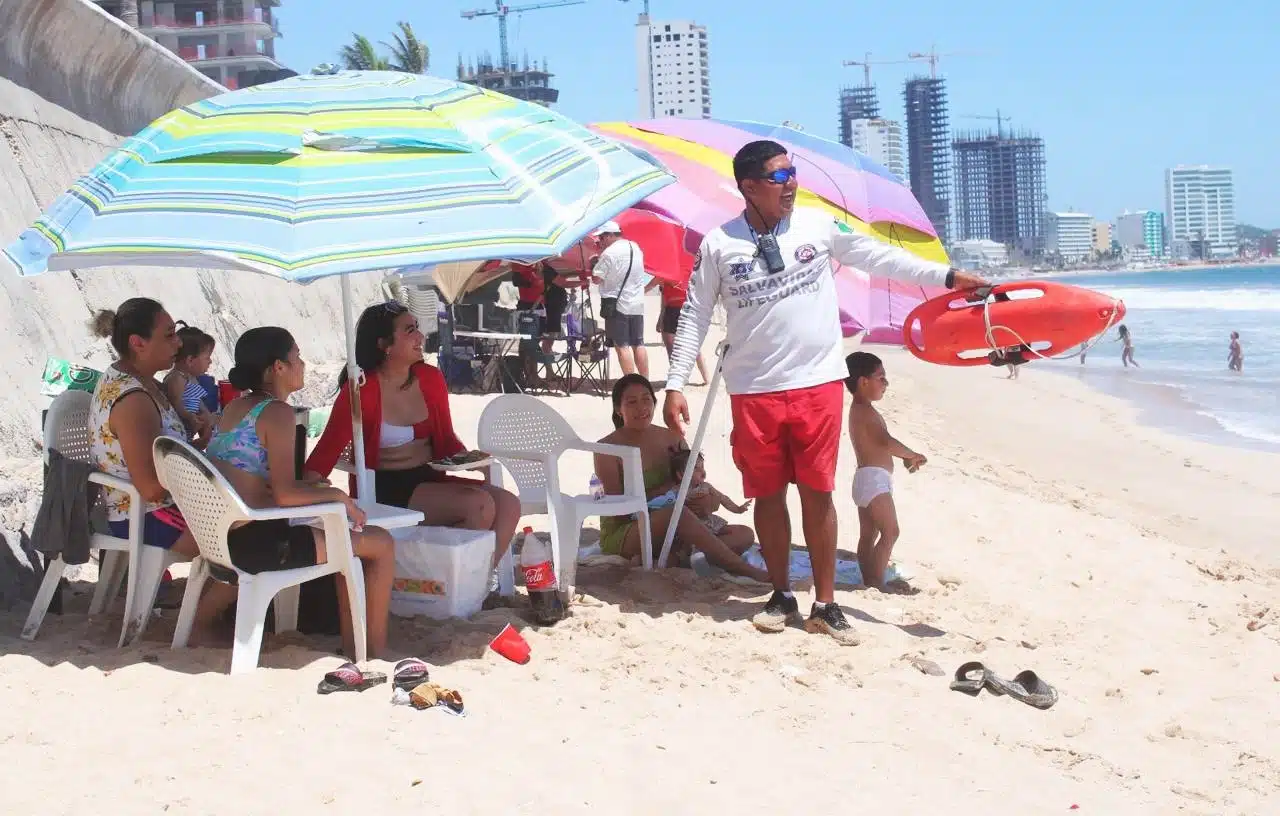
{"points": [[749, 161], [860, 364]]}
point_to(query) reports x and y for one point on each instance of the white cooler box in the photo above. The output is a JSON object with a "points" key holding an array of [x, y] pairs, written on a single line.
{"points": [[441, 572]]}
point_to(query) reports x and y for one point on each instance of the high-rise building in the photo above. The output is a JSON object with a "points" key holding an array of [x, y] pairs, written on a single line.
{"points": [[1201, 205], [1101, 237], [532, 84], [929, 150], [881, 141], [1143, 229], [856, 103], [230, 41], [1069, 235], [1000, 189], [673, 69]]}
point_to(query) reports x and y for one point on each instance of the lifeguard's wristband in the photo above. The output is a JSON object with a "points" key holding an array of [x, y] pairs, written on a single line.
{"points": [[950, 283]]}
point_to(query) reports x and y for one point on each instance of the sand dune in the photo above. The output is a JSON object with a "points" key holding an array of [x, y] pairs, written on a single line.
{"points": [[1135, 571]]}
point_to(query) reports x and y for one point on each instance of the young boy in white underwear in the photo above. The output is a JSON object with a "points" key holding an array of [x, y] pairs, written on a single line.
{"points": [[873, 481]]}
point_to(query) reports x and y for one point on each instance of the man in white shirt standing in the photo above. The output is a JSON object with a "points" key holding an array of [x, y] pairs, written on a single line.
{"points": [[771, 268], [619, 272]]}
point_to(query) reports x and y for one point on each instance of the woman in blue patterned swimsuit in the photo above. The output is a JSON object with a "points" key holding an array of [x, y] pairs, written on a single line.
{"points": [[253, 446]]}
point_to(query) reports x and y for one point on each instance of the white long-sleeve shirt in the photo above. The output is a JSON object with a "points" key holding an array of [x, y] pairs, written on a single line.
{"points": [[784, 329]]}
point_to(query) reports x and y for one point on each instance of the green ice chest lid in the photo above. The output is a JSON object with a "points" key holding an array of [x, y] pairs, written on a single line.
{"points": [[61, 375]]}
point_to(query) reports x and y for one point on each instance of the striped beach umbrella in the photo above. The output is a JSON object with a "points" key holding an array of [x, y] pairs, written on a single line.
{"points": [[832, 177], [346, 172], [337, 173]]}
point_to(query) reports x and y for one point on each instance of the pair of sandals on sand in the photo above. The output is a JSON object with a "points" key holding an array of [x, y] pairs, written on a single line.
{"points": [[409, 678], [1026, 687]]}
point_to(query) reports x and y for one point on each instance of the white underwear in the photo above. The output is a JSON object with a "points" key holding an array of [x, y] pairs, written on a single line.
{"points": [[869, 482]]}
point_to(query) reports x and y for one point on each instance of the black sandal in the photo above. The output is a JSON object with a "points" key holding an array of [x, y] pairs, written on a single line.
{"points": [[348, 677], [1026, 687], [970, 678], [410, 673]]}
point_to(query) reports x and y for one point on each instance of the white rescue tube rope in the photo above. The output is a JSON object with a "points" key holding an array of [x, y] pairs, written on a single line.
{"points": [[1023, 346]]}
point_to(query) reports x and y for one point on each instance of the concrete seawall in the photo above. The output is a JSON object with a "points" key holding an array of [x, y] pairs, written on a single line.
{"points": [[73, 82]]}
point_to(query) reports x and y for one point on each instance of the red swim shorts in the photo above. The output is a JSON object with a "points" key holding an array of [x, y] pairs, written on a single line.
{"points": [[787, 436]]}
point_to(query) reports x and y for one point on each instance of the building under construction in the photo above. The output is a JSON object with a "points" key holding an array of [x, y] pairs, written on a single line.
{"points": [[929, 150], [1000, 189], [532, 84], [856, 103]]}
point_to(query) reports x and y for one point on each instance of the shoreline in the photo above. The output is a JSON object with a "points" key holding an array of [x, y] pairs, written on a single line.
{"points": [[1162, 407], [1021, 272]]}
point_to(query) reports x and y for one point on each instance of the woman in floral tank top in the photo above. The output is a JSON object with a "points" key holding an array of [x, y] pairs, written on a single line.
{"points": [[129, 410]]}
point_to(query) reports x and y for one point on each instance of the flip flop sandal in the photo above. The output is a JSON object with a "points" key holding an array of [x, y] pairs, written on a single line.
{"points": [[1026, 687], [410, 673], [970, 678], [348, 677]]}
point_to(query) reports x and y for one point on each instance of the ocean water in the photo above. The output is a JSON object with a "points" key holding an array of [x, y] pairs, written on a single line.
{"points": [[1181, 321]]}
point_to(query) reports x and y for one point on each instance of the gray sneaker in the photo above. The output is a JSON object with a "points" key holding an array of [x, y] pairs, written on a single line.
{"points": [[777, 612], [829, 620]]}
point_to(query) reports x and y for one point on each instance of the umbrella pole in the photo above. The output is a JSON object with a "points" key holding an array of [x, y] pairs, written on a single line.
{"points": [[364, 488], [695, 451]]}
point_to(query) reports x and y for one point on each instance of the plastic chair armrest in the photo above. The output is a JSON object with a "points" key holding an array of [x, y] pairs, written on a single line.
{"points": [[302, 511], [115, 483]]}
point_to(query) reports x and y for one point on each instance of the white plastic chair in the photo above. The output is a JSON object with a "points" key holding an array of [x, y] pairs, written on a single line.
{"points": [[528, 438], [66, 430], [211, 506]]}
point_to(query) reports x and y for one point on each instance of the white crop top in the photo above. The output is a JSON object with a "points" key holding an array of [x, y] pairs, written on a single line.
{"points": [[393, 436]]}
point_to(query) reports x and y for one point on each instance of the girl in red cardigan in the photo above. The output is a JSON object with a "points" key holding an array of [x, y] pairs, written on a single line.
{"points": [[404, 406]]}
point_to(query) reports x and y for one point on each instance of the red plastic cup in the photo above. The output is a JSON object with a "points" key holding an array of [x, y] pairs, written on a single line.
{"points": [[511, 645], [226, 392]]}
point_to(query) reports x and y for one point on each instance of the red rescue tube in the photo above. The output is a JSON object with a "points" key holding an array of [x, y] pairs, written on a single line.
{"points": [[951, 329]]}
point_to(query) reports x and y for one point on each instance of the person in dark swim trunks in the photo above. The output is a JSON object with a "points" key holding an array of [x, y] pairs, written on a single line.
{"points": [[254, 448]]}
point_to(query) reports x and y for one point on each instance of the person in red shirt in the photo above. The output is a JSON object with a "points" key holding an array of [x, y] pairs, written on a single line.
{"points": [[404, 405], [673, 298]]}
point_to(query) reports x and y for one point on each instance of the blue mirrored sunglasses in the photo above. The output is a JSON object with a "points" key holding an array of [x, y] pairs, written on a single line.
{"points": [[780, 176]]}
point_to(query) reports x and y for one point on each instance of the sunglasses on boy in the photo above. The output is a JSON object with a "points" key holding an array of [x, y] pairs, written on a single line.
{"points": [[779, 176]]}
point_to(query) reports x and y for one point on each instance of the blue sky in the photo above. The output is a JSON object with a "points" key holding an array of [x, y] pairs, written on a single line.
{"points": [[1119, 90]]}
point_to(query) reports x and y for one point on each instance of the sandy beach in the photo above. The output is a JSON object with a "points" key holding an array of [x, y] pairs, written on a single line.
{"points": [[1134, 570]]}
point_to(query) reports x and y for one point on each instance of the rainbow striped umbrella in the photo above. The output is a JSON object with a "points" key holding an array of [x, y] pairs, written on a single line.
{"points": [[345, 172], [835, 178]]}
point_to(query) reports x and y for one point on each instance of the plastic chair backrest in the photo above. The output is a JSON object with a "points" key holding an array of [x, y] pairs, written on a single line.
{"points": [[424, 304], [66, 427], [522, 423], [206, 500]]}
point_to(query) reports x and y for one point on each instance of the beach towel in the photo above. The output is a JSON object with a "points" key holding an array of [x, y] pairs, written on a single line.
{"points": [[848, 573]]}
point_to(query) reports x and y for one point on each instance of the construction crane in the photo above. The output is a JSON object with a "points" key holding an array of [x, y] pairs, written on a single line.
{"points": [[501, 10], [868, 62], [932, 58], [999, 119], [646, 8]]}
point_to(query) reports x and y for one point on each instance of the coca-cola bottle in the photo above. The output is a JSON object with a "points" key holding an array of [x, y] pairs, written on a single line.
{"points": [[540, 579]]}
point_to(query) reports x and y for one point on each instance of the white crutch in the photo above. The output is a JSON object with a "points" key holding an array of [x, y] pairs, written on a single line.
{"points": [[696, 449]]}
